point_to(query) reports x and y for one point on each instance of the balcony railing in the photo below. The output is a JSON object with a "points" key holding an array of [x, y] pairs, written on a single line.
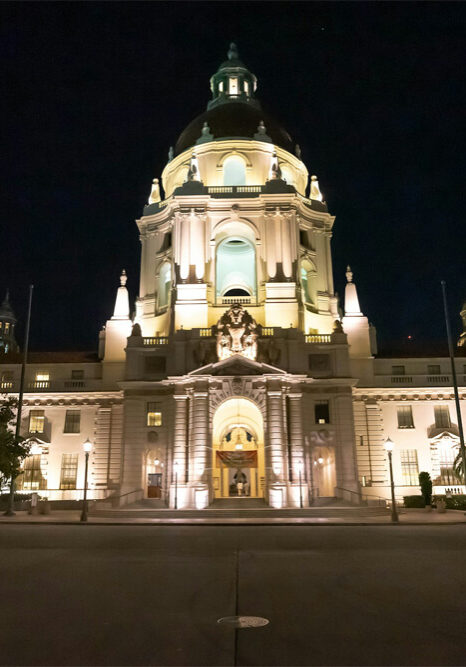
{"points": [[318, 338], [237, 299], [441, 379], [39, 384], [205, 333], [155, 341], [6, 385]]}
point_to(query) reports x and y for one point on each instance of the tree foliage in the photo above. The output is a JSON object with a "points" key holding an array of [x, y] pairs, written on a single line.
{"points": [[425, 483], [458, 467], [12, 451]]}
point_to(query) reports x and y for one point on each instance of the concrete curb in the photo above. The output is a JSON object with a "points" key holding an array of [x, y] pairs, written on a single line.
{"points": [[213, 522]]}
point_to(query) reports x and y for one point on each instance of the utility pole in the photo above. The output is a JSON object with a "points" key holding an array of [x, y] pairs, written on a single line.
{"points": [[455, 381]]}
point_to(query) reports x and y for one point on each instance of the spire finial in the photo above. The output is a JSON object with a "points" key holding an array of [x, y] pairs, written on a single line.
{"points": [[123, 278], [315, 190], [349, 274], [233, 52], [154, 196]]}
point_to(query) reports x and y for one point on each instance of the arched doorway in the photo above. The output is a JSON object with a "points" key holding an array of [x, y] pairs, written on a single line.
{"points": [[238, 466], [153, 474]]}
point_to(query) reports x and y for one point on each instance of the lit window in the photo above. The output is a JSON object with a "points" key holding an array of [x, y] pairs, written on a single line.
{"points": [[433, 369], [154, 415], [7, 327], [233, 89], [398, 370], [409, 467], [69, 471], [405, 416], [322, 412], [32, 478], [442, 416], [72, 421], [42, 377], [234, 171], [220, 87], [164, 284], [246, 87], [36, 421]]}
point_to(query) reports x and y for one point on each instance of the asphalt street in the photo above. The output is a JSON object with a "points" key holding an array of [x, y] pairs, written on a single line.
{"points": [[152, 595]]}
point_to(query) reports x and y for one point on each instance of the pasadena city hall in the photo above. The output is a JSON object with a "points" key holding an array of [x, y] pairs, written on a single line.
{"points": [[240, 375]]}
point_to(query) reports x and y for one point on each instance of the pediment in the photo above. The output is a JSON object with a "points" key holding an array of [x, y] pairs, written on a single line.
{"points": [[238, 364]]}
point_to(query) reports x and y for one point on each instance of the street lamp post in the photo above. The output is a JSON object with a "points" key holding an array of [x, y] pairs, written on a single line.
{"points": [[300, 471], [87, 446], [389, 450], [175, 467]]}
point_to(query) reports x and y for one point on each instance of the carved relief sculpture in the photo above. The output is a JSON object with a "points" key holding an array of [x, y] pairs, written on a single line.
{"points": [[236, 333]]}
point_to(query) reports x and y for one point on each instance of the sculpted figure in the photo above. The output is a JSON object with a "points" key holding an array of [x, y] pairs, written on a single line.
{"points": [[236, 333]]}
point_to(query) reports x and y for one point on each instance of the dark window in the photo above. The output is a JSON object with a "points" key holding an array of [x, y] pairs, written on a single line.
{"points": [[322, 412], [77, 375], [405, 416], [155, 365], [72, 421], [398, 370], [433, 369], [303, 237], [319, 362]]}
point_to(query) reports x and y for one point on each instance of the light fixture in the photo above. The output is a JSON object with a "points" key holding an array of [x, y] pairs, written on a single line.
{"points": [[320, 460], [87, 446], [389, 444], [156, 462]]}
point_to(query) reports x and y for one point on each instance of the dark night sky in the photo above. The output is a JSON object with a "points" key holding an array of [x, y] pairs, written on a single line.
{"points": [[96, 92]]}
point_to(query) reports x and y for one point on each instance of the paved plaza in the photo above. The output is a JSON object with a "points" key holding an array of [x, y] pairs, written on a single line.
{"points": [[152, 595]]}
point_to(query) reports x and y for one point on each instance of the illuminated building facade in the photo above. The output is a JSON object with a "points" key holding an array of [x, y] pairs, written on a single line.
{"points": [[239, 376]]}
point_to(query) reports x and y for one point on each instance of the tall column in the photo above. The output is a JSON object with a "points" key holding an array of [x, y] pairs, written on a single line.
{"points": [[200, 450], [180, 450], [295, 435], [274, 453]]}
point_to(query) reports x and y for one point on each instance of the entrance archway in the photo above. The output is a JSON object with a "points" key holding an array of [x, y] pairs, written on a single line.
{"points": [[238, 466]]}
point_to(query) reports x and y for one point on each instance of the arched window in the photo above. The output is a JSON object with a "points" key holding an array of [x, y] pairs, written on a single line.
{"points": [[236, 267], [234, 171], [307, 278], [165, 277]]}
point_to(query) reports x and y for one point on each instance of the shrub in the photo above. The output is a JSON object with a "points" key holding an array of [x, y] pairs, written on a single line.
{"points": [[456, 502], [414, 501], [425, 483]]}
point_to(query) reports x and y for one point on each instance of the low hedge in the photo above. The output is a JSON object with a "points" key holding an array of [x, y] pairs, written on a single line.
{"points": [[414, 501], [456, 502]]}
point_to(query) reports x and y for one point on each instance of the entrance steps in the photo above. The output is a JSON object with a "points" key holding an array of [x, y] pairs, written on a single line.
{"points": [[230, 513]]}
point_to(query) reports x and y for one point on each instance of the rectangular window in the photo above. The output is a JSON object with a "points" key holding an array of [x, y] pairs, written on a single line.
{"points": [[36, 421], [154, 415], [32, 478], [409, 467], [69, 471], [72, 421], [405, 416], [155, 365], [442, 416], [319, 363], [398, 370], [322, 412], [246, 87], [433, 369], [77, 375]]}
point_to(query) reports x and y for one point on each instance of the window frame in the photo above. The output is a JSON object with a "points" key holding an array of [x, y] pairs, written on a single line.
{"points": [[72, 421], [154, 418], [408, 417], [39, 417]]}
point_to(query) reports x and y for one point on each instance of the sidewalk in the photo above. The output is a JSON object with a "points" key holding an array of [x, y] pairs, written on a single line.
{"points": [[412, 517]]}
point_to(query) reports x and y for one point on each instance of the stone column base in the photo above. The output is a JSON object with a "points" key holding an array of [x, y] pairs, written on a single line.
{"points": [[295, 493], [194, 496]]}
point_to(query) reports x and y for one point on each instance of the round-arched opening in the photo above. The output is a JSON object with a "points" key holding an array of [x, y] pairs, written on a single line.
{"points": [[307, 274], [234, 171], [236, 267], [238, 450]]}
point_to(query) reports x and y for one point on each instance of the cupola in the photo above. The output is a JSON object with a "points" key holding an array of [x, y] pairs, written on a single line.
{"points": [[233, 82]]}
